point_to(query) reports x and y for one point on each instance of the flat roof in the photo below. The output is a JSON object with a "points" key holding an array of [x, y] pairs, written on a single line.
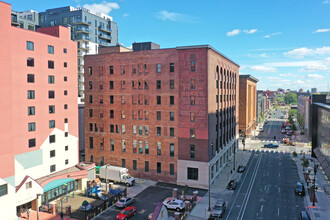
{"points": [[249, 77], [322, 105]]}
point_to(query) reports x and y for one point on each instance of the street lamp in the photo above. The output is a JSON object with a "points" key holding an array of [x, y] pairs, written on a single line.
{"points": [[209, 209]]}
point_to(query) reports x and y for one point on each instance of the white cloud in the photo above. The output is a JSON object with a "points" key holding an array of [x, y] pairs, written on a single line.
{"points": [[273, 78], [312, 67], [272, 34], [103, 7], [262, 55], [315, 76], [125, 15], [263, 69], [291, 64], [175, 17], [233, 32], [326, 2], [321, 30], [299, 82], [302, 52], [252, 31], [288, 75]]}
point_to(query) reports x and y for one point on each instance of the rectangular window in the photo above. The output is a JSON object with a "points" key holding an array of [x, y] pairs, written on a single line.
{"points": [[192, 151], [50, 49], [51, 123], [159, 115], [192, 100], [101, 85], [192, 132], [123, 146], [158, 84], [134, 146], [134, 129], [146, 115], [51, 109], [146, 84], [112, 144], [217, 99], [111, 85], [146, 166], [66, 148], [52, 168], [171, 83], [91, 113], [52, 153], [51, 94], [158, 68], [192, 66], [171, 100], [171, 116], [65, 92], [134, 165], [111, 99], [146, 147], [141, 147], [66, 120], [66, 162], [123, 163], [91, 144], [112, 128], [32, 126], [159, 148], [101, 99], [90, 70], [146, 68], [123, 85], [30, 78], [140, 114], [171, 149], [146, 130], [90, 126], [140, 84], [123, 99], [29, 45], [31, 110], [111, 69], [171, 169], [50, 64], [192, 116], [134, 98], [28, 185], [117, 129], [30, 61], [140, 130], [192, 84], [65, 78], [123, 129], [134, 114], [159, 100], [90, 85], [146, 100], [159, 131], [112, 113], [32, 142], [65, 50], [159, 167], [30, 94], [123, 114], [51, 79], [140, 99], [171, 67], [133, 69], [171, 132], [90, 99]]}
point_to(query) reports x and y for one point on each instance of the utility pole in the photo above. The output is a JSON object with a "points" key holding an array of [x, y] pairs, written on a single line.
{"points": [[209, 209]]}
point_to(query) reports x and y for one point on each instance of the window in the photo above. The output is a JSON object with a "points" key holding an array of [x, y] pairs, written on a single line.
{"points": [[52, 168], [192, 100], [123, 85], [159, 100], [65, 92], [140, 85], [217, 99], [117, 129], [159, 131], [134, 146], [192, 173], [123, 146], [65, 78], [134, 114], [90, 70], [31, 110], [123, 163], [146, 166], [51, 123], [65, 120], [146, 84], [32, 142], [171, 149], [30, 94], [66, 148], [192, 116], [123, 129], [90, 113], [50, 64], [28, 185], [112, 128], [159, 148], [51, 79], [52, 138], [134, 129], [90, 126], [171, 116], [159, 115], [32, 126], [101, 99], [171, 132], [140, 99], [111, 69], [91, 144], [92, 158], [112, 144], [134, 165], [30, 78], [123, 99], [140, 114], [112, 113], [140, 147], [171, 100], [51, 109], [51, 94], [65, 50], [52, 153], [111, 99], [146, 100], [193, 66], [90, 99], [30, 61], [29, 45], [140, 130], [171, 169], [159, 84], [146, 115], [111, 84], [159, 167], [146, 147], [192, 151], [192, 132], [158, 67], [50, 49], [66, 134], [171, 83], [123, 114], [192, 84], [90, 85], [146, 130], [171, 67], [66, 162]]}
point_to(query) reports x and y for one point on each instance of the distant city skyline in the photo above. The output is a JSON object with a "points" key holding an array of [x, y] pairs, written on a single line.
{"points": [[282, 50]]}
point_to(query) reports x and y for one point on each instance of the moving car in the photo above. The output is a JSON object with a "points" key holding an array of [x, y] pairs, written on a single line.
{"points": [[271, 145], [240, 168], [173, 203], [300, 189], [304, 216], [126, 213], [218, 209], [124, 202], [232, 185]]}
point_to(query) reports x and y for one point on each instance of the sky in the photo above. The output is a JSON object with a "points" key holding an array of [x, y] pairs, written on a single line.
{"points": [[282, 43]]}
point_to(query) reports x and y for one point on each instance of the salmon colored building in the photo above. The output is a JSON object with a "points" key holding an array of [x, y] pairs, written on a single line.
{"points": [[166, 114], [39, 110]]}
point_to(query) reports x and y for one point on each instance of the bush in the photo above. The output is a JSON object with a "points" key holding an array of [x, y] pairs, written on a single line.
{"points": [[305, 163], [294, 153]]}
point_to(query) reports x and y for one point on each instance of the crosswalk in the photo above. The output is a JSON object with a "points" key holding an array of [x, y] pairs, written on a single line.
{"points": [[277, 119], [268, 151]]}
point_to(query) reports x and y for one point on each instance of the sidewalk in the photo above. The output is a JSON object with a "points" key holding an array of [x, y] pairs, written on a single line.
{"points": [[219, 186], [322, 206]]}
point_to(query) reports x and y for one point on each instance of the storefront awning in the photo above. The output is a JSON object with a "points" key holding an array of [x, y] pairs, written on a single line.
{"points": [[56, 183]]}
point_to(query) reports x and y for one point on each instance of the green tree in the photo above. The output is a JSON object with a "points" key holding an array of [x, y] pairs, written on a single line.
{"points": [[290, 98]]}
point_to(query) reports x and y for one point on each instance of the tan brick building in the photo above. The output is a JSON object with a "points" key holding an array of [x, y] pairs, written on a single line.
{"points": [[247, 104], [165, 114]]}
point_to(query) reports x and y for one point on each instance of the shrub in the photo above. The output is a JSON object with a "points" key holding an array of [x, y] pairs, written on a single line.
{"points": [[294, 153]]}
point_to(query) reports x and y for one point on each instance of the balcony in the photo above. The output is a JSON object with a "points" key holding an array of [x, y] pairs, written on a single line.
{"points": [[81, 79], [105, 29], [14, 22], [105, 37], [82, 22], [83, 30], [82, 38], [81, 62], [81, 54]]}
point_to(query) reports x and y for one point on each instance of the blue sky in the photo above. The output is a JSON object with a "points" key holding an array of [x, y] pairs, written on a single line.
{"points": [[283, 43]]}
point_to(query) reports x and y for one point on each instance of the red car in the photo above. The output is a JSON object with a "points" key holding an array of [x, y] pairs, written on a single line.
{"points": [[126, 213]]}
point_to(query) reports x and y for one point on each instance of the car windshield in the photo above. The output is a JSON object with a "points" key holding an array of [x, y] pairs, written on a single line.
{"points": [[217, 207], [127, 176], [125, 212], [122, 200]]}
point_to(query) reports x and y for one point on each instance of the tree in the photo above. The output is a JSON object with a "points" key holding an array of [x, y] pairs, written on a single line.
{"points": [[290, 98]]}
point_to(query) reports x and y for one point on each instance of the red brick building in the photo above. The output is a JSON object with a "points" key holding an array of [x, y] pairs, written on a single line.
{"points": [[165, 114]]}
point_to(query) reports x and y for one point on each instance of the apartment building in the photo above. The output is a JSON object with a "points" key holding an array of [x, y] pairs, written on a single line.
{"points": [[166, 114], [39, 109], [26, 19], [247, 104]]}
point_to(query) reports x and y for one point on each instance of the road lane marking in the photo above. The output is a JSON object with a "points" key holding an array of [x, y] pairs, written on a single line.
{"points": [[279, 174], [262, 206], [278, 211], [279, 190]]}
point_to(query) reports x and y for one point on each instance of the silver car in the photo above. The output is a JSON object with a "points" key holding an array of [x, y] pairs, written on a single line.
{"points": [[218, 209], [124, 202]]}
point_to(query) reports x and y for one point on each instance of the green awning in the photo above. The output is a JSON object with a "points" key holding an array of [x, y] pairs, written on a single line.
{"points": [[56, 183]]}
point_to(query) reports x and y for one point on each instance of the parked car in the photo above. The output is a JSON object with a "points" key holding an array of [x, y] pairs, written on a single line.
{"points": [[261, 129], [124, 202], [300, 189], [271, 145], [218, 209], [240, 168], [304, 216], [126, 213], [232, 185], [173, 203]]}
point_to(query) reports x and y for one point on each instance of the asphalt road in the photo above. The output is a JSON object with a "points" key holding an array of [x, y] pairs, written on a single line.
{"points": [[266, 190], [273, 127]]}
